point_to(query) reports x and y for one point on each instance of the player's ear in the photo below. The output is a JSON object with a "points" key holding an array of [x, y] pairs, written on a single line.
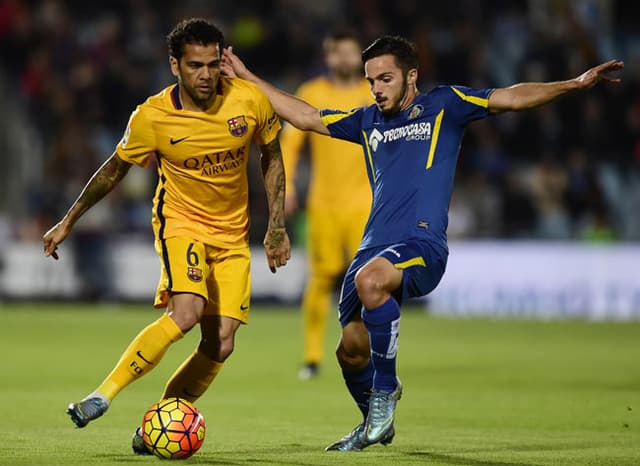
{"points": [[173, 63], [412, 77]]}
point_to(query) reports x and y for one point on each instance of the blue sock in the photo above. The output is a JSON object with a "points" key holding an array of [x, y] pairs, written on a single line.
{"points": [[359, 385], [383, 323]]}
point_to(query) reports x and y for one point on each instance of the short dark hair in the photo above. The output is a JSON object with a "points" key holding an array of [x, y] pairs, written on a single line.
{"points": [[193, 31], [402, 49], [340, 34]]}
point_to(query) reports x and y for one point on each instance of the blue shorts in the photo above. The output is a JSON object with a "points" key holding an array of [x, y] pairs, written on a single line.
{"points": [[422, 267]]}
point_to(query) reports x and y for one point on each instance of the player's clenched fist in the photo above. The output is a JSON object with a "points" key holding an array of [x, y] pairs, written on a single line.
{"points": [[277, 247], [53, 237]]}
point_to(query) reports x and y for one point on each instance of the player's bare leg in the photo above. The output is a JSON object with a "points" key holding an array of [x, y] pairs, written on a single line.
{"points": [[193, 377]]}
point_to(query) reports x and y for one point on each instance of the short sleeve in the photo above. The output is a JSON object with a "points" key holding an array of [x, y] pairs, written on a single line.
{"points": [[343, 125], [467, 104], [139, 140], [268, 120]]}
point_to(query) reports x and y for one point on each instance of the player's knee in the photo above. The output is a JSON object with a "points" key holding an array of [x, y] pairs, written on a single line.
{"points": [[184, 319], [370, 288], [186, 310], [226, 349], [351, 360], [353, 351], [217, 350], [227, 335]]}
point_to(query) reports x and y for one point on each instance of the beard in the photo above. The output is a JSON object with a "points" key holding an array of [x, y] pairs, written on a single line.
{"points": [[397, 103], [197, 97]]}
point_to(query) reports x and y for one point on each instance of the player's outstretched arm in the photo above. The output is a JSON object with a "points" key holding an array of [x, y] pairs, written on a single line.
{"points": [[529, 95], [296, 111], [276, 240], [101, 183]]}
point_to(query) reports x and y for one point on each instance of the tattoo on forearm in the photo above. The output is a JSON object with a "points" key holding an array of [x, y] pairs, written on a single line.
{"points": [[101, 183], [274, 181]]}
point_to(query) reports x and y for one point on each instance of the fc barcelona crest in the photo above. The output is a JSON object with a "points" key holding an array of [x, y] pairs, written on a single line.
{"points": [[238, 126], [194, 274]]}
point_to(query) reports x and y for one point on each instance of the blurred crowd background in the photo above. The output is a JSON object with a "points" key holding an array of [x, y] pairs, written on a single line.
{"points": [[72, 71]]}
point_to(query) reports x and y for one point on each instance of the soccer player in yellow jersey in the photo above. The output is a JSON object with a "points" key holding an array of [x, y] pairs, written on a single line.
{"points": [[339, 196], [199, 131]]}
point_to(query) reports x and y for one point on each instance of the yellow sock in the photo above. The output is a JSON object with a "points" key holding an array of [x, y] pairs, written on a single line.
{"points": [[142, 355], [315, 307], [193, 377]]}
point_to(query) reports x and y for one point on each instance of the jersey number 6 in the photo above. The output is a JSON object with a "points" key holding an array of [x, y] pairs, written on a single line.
{"points": [[192, 256]]}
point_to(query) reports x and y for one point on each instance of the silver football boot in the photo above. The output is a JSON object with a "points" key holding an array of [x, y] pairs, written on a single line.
{"points": [[382, 407], [87, 410], [356, 440]]}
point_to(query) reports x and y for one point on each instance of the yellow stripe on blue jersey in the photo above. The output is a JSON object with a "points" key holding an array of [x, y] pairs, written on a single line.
{"points": [[434, 138], [202, 190], [328, 119], [338, 175], [482, 102]]}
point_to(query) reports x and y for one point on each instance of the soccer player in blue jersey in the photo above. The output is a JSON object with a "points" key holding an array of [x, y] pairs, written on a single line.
{"points": [[411, 142]]}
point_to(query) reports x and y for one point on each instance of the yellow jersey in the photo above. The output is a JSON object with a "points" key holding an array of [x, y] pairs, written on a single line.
{"points": [[202, 190], [338, 172]]}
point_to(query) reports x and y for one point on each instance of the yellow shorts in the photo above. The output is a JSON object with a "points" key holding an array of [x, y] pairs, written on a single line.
{"points": [[333, 239], [221, 276]]}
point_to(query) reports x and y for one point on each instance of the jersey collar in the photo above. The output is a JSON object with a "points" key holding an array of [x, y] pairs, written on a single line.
{"points": [[175, 97], [175, 94]]}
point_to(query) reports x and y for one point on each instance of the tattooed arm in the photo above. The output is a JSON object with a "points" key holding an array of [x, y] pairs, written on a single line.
{"points": [[101, 183], [276, 241]]}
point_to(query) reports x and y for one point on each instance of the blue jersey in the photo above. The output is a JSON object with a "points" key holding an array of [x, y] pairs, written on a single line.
{"points": [[411, 161]]}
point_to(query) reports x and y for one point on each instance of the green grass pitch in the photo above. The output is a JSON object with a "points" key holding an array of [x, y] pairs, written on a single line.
{"points": [[477, 392]]}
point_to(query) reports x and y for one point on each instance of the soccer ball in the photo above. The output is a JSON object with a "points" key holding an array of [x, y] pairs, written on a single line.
{"points": [[173, 428]]}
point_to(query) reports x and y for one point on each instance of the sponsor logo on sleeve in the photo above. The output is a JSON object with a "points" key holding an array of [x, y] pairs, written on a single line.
{"points": [[125, 137], [272, 120]]}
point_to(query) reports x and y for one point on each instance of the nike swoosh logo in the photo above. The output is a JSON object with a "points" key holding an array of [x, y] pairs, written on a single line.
{"points": [[243, 307], [139, 353], [176, 141]]}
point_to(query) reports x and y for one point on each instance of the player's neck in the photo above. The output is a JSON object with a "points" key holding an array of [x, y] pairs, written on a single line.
{"points": [[194, 106], [409, 97]]}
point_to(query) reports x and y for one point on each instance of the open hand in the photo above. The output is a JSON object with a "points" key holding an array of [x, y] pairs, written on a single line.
{"points": [[232, 66], [592, 76]]}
